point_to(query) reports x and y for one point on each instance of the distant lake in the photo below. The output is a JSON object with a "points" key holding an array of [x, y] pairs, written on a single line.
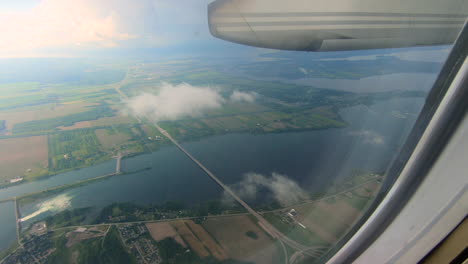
{"points": [[311, 159], [374, 84]]}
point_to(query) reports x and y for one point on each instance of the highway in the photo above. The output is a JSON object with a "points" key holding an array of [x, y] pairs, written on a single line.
{"points": [[269, 228]]}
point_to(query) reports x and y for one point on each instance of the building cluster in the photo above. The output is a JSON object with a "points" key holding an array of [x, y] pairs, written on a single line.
{"points": [[139, 243], [290, 217], [36, 250]]}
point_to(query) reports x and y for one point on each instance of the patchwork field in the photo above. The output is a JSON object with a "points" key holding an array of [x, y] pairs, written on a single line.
{"points": [[232, 234], [104, 121], [329, 219], [43, 112], [162, 230], [254, 122], [74, 149], [194, 243], [207, 240], [110, 139], [23, 156]]}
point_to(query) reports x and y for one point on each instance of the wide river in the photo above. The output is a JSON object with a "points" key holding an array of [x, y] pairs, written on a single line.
{"points": [[310, 160]]}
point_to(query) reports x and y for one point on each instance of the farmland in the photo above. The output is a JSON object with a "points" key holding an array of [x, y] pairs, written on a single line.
{"points": [[93, 111], [47, 125], [20, 157], [74, 149], [328, 219], [110, 138], [238, 244], [43, 112]]}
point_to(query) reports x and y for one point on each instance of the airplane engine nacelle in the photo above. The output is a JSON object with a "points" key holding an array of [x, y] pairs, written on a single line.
{"points": [[332, 25]]}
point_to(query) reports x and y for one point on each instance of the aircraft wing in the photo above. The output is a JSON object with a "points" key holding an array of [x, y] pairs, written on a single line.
{"points": [[332, 25]]}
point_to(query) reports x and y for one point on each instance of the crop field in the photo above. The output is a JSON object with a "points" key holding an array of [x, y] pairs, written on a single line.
{"points": [[74, 149], [109, 139], [51, 124], [261, 122], [237, 244], [43, 112], [330, 219], [207, 240], [100, 122], [231, 108], [18, 155], [195, 244], [328, 224], [8, 90], [162, 230]]}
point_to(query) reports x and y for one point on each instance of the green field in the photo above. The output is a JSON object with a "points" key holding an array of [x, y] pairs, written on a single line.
{"points": [[47, 125], [74, 149], [89, 109]]}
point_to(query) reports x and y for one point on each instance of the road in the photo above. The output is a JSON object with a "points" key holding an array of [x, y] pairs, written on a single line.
{"points": [[269, 228], [149, 221]]}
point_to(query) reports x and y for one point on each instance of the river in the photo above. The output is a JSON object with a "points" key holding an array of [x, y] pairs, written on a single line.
{"points": [[309, 160]]}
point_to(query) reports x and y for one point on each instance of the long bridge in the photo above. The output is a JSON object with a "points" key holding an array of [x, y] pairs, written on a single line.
{"points": [[269, 228]]}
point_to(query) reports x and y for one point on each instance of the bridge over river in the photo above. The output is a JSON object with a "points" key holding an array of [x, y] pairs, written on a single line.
{"points": [[269, 228]]}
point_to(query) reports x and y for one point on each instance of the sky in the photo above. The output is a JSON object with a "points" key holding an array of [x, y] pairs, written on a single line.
{"points": [[68, 28], [93, 28]]}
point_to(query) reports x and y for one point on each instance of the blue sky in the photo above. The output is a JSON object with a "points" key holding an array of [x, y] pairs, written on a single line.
{"points": [[18, 5], [68, 28]]}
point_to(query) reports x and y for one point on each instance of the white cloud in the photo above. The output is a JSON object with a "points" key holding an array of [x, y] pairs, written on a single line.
{"points": [[174, 101], [283, 190], [237, 96], [72, 25]]}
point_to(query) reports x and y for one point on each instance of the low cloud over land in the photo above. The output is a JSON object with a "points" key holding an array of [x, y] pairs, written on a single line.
{"points": [[174, 101], [282, 189], [237, 96], [171, 102]]}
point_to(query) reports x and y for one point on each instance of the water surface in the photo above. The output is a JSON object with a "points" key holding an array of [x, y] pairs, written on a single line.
{"points": [[7, 225]]}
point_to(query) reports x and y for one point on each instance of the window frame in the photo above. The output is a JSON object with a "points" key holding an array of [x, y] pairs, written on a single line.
{"points": [[443, 111]]}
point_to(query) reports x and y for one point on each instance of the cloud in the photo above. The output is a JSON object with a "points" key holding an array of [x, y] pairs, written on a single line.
{"points": [[74, 27], [174, 101], [237, 96], [71, 25], [282, 189], [369, 137]]}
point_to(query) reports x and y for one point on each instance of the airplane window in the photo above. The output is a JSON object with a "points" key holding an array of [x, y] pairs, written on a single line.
{"points": [[160, 131]]}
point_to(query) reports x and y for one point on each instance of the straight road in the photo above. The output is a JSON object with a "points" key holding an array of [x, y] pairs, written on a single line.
{"points": [[269, 228]]}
